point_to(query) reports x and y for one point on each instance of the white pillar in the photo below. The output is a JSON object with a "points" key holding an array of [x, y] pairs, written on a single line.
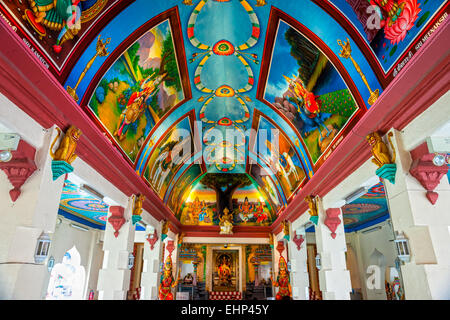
{"points": [[334, 278], [299, 267], [114, 277], [427, 226], [150, 270], [21, 224]]}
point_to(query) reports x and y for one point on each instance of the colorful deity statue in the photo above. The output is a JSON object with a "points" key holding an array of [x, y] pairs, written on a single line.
{"points": [[282, 281], [226, 222], [136, 105], [224, 271], [167, 282]]}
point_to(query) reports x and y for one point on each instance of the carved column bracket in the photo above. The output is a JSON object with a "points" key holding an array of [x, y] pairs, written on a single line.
{"points": [[423, 169], [152, 238], [298, 240], [332, 221], [116, 219], [19, 168]]}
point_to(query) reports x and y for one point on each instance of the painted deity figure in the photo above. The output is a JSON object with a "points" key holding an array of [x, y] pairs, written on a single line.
{"points": [[57, 15], [204, 212], [224, 271], [246, 210], [136, 105], [196, 211], [259, 213], [226, 222], [168, 282], [309, 112], [282, 281]]}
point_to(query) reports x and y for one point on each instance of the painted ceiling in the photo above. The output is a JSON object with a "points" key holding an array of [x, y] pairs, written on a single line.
{"points": [[260, 90], [79, 206]]}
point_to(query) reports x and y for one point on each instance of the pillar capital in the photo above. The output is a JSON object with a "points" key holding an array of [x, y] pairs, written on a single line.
{"points": [[426, 172]]}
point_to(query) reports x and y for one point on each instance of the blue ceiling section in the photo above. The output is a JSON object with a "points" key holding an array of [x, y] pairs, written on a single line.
{"points": [[79, 206]]}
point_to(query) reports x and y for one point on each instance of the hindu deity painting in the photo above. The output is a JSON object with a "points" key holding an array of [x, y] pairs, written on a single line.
{"points": [[390, 27], [276, 150], [169, 155], [140, 88], [267, 186], [306, 88], [207, 201], [225, 274], [182, 188], [55, 28]]}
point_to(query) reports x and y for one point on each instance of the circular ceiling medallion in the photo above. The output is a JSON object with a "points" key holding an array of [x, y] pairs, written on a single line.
{"points": [[225, 122], [224, 91], [223, 48]]}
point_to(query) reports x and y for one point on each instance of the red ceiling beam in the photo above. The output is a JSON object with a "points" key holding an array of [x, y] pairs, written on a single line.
{"points": [[29, 85]]}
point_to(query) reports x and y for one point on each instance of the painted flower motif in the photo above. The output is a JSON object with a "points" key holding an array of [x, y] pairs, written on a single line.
{"points": [[397, 31]]}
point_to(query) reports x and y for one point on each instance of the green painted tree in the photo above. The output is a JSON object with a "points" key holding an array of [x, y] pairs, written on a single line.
{"points": [[169, 64], [225, 185]]}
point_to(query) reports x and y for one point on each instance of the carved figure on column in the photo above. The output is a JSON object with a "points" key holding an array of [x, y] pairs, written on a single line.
{"points": [[137, 209], [168, 282], [313, 212], [164, 229], [285, 225], [381, 157], [65, 153], [282, 281]]}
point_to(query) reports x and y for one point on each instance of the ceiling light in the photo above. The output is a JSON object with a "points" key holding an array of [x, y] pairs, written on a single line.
{"points": [[5, 156], [355, 195], [76, 226], [91, 191], [371, 230], [439, 160]]}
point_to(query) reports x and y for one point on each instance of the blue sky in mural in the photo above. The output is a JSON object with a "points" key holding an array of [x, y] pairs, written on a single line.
{"points": [[284, 64]]}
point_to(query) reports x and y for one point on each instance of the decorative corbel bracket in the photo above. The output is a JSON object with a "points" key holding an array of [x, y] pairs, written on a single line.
{"points": [[428, 174], [19, 168], [170, 247], [387, 168], [298, 240], [332, 220], [280, 247], [116, 219], [152, 238]]}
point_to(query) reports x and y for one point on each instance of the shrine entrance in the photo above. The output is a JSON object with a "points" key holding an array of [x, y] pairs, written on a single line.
{"points": [[226, 271]]}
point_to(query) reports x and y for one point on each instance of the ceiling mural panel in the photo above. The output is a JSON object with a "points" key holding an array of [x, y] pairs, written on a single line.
{"points": [[279, 154], [389, 35], [150, 72], [58, 31], [367, 210], [303, 83], [237, 192], [139, 89], [170, 153], [82, 205]]}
